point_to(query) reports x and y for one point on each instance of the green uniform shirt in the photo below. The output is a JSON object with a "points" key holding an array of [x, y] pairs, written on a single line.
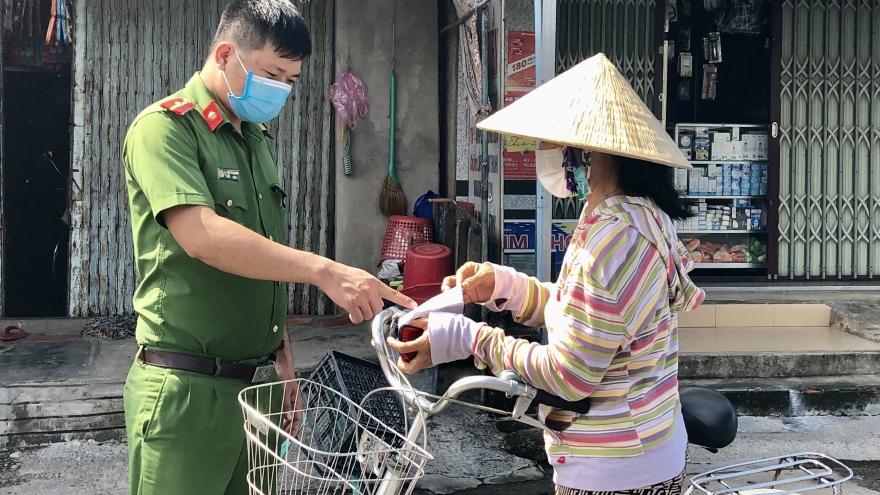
{"points": [[184, 151]]}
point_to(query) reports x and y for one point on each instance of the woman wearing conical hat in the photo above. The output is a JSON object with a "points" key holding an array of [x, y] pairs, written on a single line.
{"points": [[612, 314]]}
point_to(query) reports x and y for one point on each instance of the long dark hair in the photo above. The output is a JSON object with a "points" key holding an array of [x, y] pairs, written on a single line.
{"points": [[653, 181]]}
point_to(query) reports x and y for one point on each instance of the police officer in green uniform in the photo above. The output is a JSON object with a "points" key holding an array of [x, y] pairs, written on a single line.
{"points": [[208, 221]]}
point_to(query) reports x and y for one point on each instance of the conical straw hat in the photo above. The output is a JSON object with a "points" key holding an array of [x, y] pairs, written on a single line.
{"points": [[590, 106]]}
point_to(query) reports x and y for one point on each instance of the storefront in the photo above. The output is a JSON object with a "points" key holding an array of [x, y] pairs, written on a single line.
{"points": [[35, 114], [718, 111], [74, 76], [774, 102]]}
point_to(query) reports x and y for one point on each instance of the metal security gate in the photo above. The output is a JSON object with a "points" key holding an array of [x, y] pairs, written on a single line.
{"points": [[829, 148], [621, 29], [625, 31], [130, 53]]}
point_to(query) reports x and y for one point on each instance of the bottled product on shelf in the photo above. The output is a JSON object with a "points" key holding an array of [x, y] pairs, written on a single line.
{"points": [[739, 215], [723, 179]]}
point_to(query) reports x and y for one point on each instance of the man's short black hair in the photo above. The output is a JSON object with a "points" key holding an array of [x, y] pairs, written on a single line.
{"points": [[252, 24]]}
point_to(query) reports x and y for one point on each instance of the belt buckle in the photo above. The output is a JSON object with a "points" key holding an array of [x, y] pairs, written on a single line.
{"points": [[262, 373]]}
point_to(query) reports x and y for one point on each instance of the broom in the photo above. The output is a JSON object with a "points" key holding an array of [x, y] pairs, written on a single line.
{"points": [[392, 200]]}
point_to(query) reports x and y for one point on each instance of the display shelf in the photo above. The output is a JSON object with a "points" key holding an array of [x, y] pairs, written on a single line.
{"points": [[714, 162], [700, 196], [730, 265], [723, 126], [746, 194], [721, 231]]}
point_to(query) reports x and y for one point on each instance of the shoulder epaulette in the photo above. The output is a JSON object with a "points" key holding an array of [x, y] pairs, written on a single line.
{"points": [[178, 105]]}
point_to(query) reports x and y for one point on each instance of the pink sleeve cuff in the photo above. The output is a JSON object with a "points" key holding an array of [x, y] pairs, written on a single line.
{"points": [[452, 337], [510, 291]]}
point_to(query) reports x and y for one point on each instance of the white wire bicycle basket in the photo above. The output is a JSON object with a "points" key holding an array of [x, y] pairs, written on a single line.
{"points": [[340, 447]]}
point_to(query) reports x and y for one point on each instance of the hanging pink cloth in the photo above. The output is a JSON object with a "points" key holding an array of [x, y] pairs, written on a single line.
{"points": [[349, 97]]}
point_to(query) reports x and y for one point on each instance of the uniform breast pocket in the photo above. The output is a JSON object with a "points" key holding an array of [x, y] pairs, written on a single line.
{"points": [[280, 197], [230, 200], [277, 209]]}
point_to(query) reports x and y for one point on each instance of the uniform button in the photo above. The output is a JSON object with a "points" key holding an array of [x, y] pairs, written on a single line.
{"points": [[275, 329], [260, 196], [270, 237], [229, 202]]}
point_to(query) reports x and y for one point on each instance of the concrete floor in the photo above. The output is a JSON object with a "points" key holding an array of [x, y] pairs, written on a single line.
{"points": [[81, 468], [76, 468]]}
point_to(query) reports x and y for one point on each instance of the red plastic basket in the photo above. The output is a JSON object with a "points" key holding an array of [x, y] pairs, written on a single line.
{"points": [[427, 264], [402, 232]]}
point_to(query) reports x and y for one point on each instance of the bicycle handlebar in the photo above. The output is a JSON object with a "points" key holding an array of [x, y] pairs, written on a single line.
{"points": [[546, 398], [381, 327], [513, 387]]}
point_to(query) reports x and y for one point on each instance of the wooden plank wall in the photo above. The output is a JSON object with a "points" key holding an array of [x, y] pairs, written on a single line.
{"points": [[130, 53], [303, 144]]}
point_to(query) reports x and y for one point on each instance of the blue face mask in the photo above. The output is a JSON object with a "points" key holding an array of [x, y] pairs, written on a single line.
{"points": [[262, 98]]}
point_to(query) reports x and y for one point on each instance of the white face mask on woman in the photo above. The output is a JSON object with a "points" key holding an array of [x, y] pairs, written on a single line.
{"points": [[551, 173], [555, 175]]}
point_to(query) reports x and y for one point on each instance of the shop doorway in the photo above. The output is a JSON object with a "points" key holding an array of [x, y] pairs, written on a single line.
{"points": [[718, 104], [36, 157]]}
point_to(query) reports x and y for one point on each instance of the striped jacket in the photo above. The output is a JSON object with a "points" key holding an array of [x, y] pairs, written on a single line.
{"points": [[612, 326]]}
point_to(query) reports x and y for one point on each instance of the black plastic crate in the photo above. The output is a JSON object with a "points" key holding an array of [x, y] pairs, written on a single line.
{"points": [[354, 378]]}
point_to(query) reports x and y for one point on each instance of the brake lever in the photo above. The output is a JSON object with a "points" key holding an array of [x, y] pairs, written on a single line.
{"points": [[523, 401], [528, 420]]}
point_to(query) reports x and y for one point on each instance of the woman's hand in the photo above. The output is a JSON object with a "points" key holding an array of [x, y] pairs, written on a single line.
{"points": [[477, 282], [421, 346]]}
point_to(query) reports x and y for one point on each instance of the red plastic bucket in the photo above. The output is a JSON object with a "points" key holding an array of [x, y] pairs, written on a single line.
{"points": [[421, 293], [427, 264]]}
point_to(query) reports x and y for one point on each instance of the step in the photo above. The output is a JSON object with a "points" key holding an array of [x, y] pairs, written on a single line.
{"points": [[778, 364], [52, 391], [47, 326], [64, 390], [853, 309], [802, 396], [774, 352]]}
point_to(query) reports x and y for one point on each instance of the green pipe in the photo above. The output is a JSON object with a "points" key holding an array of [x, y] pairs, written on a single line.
{"points": [[393, 110]]}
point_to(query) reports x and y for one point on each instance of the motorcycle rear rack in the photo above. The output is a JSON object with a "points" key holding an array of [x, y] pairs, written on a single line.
{"points": [[807, 472]]}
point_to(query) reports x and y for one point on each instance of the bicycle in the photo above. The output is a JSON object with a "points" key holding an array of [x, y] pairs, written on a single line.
{"points": [[342, 448]]}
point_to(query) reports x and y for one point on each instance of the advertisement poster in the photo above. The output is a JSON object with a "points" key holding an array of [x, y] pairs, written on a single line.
{"points": [[519, 236], [519, 153], [560, 238], [520, 61]]}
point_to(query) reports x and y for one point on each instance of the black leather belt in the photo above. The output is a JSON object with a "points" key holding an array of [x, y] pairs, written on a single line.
{"points": [[207, 366]]}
